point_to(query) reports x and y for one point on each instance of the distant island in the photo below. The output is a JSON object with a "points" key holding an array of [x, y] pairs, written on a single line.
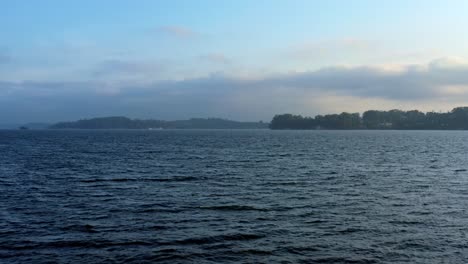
{"points": [[457, 119], [119, 122]]}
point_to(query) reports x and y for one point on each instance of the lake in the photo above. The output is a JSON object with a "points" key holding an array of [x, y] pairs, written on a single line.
{"points": [[233, 196]]}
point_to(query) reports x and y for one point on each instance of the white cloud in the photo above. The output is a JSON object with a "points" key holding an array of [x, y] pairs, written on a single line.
{"points": [[449, 63]]}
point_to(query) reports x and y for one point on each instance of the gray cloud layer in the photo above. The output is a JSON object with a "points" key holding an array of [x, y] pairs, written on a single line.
{"points": [[230, 97], [126, 68]]}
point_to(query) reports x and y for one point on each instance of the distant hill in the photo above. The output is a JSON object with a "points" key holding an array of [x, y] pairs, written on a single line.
{"points": [[119, 122], [36, 125], [27, 125]]}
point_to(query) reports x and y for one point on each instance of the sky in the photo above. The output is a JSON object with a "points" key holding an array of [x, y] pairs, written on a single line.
{"points": [[241, 60]]}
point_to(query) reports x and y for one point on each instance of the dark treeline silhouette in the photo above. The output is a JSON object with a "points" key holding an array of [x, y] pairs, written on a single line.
{"points": [[457, 119], [127, 123]]}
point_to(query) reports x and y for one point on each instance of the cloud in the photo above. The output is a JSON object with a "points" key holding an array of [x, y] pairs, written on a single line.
{"points": [[449, 63], [177, 31], [329, 48], [121, 66], [119, 69], [410, 82], [217, 58], [440, 85]]}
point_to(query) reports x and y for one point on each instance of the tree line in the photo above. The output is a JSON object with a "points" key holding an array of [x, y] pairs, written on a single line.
{"points": [[457, 119], [120, 122]]}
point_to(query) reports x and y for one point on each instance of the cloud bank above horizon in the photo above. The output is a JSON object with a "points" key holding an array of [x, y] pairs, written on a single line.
{"points": [[224, 59], [435, 86]]}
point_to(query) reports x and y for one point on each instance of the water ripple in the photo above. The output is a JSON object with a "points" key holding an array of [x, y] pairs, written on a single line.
{"points": [[233, 196]]}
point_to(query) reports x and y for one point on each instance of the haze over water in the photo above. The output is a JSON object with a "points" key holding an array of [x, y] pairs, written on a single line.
{"points": [[230, 196]]}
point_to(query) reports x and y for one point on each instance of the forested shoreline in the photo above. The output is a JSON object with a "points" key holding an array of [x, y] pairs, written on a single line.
{"points": [[457, 119], [119, 122]]}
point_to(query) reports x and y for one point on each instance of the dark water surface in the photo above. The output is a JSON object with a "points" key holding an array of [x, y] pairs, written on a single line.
{"points": [[233, 196]]}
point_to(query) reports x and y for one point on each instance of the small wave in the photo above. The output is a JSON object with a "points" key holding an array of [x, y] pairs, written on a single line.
{"points": [[317, 221], [300, 250], [399, 205], [80, 228], [169, 256], [239, 161], [104, 180], [30, 245], [196, 157], [151, 151], [349, 230], [172, 179], [405, 222], [177, 179], [158, 227], [420, 212], [254, 252], [159, 210], [232, 208], [459, 170], [342, 260], [286, 183], [215, 239], [416, 244]]}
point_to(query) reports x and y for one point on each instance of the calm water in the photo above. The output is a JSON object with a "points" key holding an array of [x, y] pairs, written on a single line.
{"points": [[233, 196]]}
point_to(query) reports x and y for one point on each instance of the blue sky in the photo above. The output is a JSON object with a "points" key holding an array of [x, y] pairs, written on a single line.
{"points": [[244, 60]]}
